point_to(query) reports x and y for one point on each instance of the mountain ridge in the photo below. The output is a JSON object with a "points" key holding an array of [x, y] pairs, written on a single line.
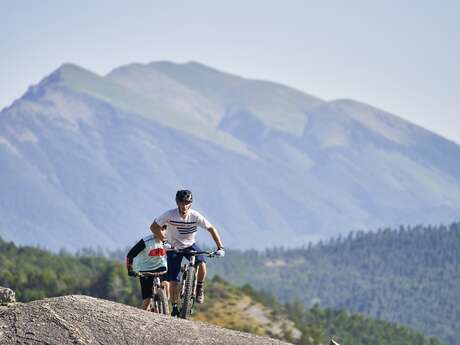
{"points": [[230, 91], [107, 154]]}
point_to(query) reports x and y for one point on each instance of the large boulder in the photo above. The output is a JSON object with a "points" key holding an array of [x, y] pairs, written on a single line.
{"points": [[7, 296], [85, 320]]}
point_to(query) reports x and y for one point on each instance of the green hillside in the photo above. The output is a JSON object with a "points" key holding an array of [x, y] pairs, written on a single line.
{"points": [[34, 274], [409, 276], [259, 313]]}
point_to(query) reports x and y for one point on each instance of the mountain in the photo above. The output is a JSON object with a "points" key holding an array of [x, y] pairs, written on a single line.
{"points": [[89, 160]]}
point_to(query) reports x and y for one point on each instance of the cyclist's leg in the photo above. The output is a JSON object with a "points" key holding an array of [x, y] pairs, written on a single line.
{"points": [[201, 263], [166, 286], [201, 275], [202, 272], [146, 303], [172, 276], [146, 290]]}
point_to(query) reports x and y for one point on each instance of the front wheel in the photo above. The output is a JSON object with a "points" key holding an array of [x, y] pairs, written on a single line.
{"points": [[162, 302], [159, 302], [187, 298]]}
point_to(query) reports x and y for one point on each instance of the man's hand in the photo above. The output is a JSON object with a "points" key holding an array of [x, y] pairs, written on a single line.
{"points": [[220, 252], [131, 272]]}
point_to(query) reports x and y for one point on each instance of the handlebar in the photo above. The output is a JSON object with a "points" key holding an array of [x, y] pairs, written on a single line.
{"points": [[149, 274], [194, 252]]}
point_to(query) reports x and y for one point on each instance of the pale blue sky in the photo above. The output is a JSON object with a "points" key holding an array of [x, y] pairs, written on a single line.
{"points": [[401, 56]]}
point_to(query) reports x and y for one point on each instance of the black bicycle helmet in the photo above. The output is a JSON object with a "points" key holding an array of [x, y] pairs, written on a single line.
{"points": [[184, 195]]}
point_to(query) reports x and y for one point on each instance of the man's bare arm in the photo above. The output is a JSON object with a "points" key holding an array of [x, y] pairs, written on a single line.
{"points": [[216, 237]]}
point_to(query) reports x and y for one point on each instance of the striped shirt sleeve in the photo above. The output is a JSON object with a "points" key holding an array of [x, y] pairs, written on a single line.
{"points": [[163, 219], [202, 221]]}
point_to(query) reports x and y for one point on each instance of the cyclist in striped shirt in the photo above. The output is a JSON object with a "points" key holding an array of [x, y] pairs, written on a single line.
{"points": [[182, 224]]}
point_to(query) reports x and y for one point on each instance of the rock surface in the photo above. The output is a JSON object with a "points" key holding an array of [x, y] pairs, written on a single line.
{"points": [[85, 320]]}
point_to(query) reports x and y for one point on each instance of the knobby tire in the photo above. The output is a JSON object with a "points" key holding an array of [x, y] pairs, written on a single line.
{"points": [[187, 299]]}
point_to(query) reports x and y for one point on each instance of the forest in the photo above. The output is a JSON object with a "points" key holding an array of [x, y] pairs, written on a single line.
{"points": [[34, 273], [409, 276]]}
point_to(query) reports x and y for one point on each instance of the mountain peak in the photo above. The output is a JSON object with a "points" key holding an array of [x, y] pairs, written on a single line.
{"points": [[70, 70], [69, 66], [68, 73]]}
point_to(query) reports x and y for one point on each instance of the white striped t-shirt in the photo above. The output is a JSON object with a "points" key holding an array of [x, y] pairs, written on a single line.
{"points": [[181, 232]]}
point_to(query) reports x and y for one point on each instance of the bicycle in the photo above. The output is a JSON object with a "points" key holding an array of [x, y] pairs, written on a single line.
{"points": [[159, 302], [188, 282]]}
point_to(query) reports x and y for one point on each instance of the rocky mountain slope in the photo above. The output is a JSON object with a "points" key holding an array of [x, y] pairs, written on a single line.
{"points": [[88, 160], [86, 320], [238, 309]]}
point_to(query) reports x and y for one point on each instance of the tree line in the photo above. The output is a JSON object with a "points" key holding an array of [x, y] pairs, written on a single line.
{"points": [[35, 274], [409, 275]]}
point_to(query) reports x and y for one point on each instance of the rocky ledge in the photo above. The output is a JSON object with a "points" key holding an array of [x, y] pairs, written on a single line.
{"points": [[85, 320]]}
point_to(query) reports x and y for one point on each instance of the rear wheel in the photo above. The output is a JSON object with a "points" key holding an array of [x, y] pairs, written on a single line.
{"points": [[187, 298]]}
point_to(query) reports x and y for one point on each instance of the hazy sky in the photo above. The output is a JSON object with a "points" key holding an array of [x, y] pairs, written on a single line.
{"points": [[401, 56]]}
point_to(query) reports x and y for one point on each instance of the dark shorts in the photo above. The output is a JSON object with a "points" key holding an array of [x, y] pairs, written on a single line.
{"points": [[147, 283], [175, 260]]}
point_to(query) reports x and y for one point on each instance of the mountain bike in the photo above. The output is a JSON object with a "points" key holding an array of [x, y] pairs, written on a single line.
{"points": [[188, 282], [159, 301]]}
